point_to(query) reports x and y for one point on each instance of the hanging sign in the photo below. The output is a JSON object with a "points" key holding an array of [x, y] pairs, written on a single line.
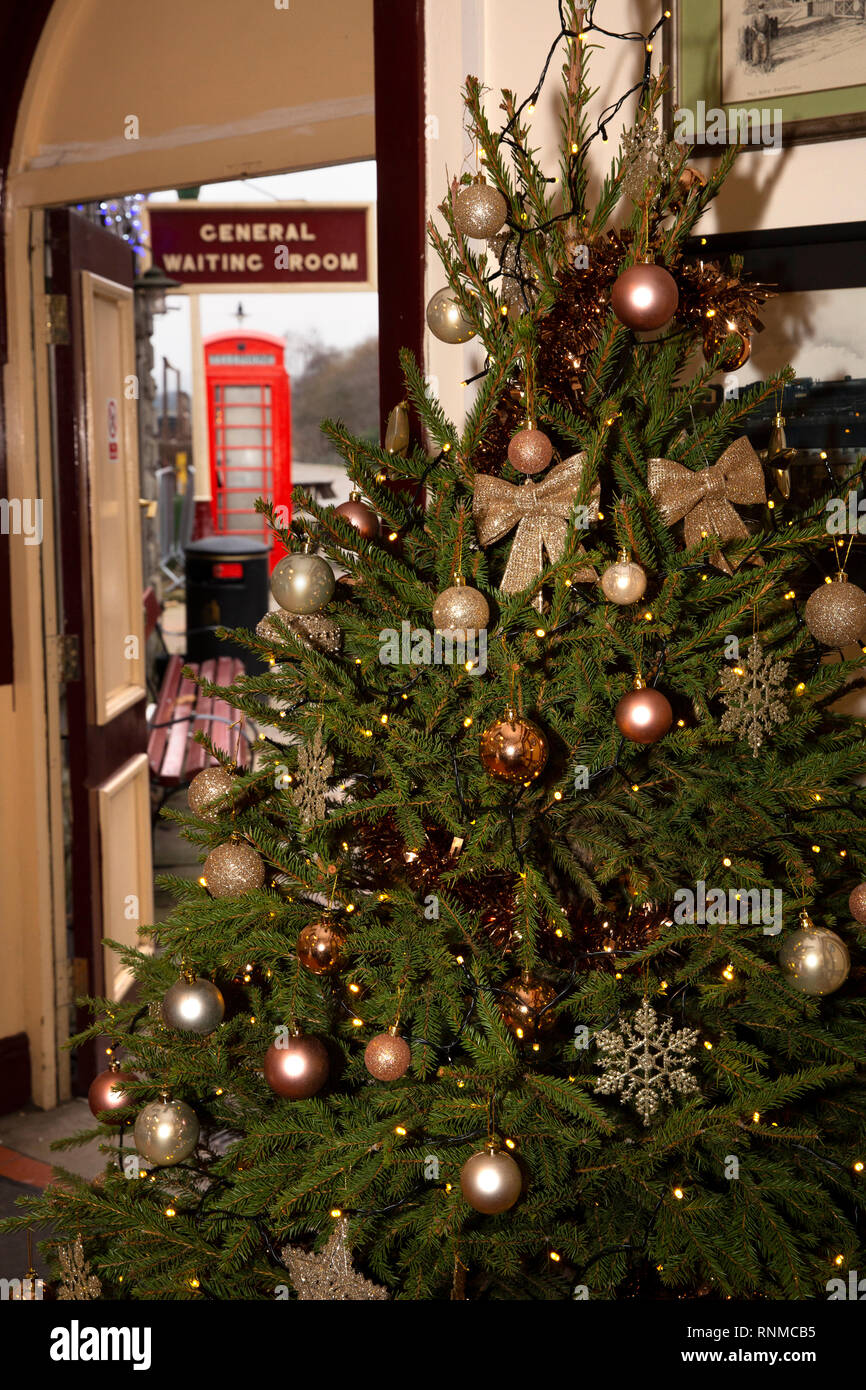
{"points": [[269, 246]]}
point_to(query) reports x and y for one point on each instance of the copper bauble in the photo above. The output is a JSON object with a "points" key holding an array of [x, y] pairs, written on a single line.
{"points": [[303, 582], [836, 613], [460, 612], [193, 1005], [296, 1068], [529, 451], [479, 211], [513, 748], [737, 345], [623, 582], [358, 514], [857, 902], [107, 1091], [645, 297], [320, 947], [524, 1005], [166, 1132], [814, 959], [445, 318], [209, 785], [387, 1056], [491, 1181], [232, 870], [643, 715]]}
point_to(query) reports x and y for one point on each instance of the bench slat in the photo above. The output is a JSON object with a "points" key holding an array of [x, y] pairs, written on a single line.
{"points": [[158, 737]]}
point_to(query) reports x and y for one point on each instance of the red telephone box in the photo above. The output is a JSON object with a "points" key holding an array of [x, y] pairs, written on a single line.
{"points": [[249, 424]]}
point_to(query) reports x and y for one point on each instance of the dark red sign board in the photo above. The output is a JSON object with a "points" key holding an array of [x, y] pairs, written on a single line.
{"points": [[272, 245]]}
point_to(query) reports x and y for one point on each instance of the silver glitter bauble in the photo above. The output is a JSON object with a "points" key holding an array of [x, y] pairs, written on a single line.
{"points": [[166, 1132], [836, 613], [459, 612], [193, 1005], [303, 582], [314, 629], [445, 318], [209, 785], [479, 211], [814, 960], [623, 582], [232, 870]]}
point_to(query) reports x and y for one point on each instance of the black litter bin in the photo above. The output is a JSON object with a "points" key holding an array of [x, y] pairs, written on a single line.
{"points": [[226, 586]]}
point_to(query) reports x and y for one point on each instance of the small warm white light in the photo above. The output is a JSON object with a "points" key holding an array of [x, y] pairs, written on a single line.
{"points": [[540, 632], [335, 1212], [839, 1260], [726, 861], [756, 1117], [679, 1194], [467, 722], [398, 1129], [170, 1211], [557, 796], [556, 1258], [858, 1167], [357, 1023]]}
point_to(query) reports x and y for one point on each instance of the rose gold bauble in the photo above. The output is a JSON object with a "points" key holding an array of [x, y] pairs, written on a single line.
{"points": [[298, 1069], [387, 1056], [737, 345], [359, 515], [523, 1005], [491, 1181], [209, 785], [106, 1092], [836, 613], [644, 715], [529, 451], [320, 947], [460, 612], [645, 297], [232, 870], [513, 748], [857, 902]]}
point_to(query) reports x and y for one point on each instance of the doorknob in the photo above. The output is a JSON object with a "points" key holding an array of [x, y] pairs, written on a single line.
{"points": [[149, 506]]}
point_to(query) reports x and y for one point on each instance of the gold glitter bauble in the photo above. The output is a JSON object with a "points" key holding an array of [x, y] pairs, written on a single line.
{"points": [[514, 749], [445, 318], [529, 451], [314, 629], [303, 582], [166, 1132], [491, 1181], [232, 870], [479, 211], [209, 785], [815, 960], [523, 1004], [836, 613], [387, 1056], [459, 612], [857, 902], [320, 947]]}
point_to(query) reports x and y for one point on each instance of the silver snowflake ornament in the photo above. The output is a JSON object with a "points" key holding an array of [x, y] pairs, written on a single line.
{"points": [[310, 784], [646, 1062], [77, 1282], [753, 694], [649, 156]]}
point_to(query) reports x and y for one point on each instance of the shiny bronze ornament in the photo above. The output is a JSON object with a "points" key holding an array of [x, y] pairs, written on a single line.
{"points": [[321, 947], [460, 612], [836, 613], [479, 210], [491, 1181], [358, 514], [736, 344], [644, 297], [209, 785], [623, 582], [297, 1067], [524, 1003], [644, 715], [303, 582], [313, 629], [530, 451], [193, 1005], [857, 902], [397, 430], [166, 1132], [513, 748], [446, 320], [778, 457], [387, 1056], [107, 1092], [814, 959], [233, 869]]}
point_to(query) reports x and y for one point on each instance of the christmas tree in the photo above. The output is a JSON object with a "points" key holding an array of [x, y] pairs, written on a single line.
{"points": [[518, 964]]}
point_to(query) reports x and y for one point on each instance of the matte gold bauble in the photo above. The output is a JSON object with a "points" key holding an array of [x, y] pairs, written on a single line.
{"points": [[491, 1181], [358, 514], [320, 947], [303, 582], [645, 297], [836, 613], [460, 612], [166, 1132], [623, 582], [314, 629], [445, 318], [232, 870], [529, 451], [107, 1091], [814, 959], [737, 345], [297, 1068], [857, 902], [193, 1005], [209, 785], [387, 1056], [643, 715], [523, 1004], [479, 211], [513, 748]]}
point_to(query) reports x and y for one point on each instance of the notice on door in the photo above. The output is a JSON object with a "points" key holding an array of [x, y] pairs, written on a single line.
{"points": [[277, 246], [113, 430]]}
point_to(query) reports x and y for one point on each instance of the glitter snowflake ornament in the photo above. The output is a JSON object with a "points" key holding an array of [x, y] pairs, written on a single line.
{"points": [[753, 695], [77, 1282], [330, 1276], [645, 1062], [649, 155], [310, 784]]}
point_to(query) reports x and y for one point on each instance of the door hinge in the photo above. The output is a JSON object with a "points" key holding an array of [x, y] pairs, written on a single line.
{"points": [[65, 653], [57, 319], [80, 976]]}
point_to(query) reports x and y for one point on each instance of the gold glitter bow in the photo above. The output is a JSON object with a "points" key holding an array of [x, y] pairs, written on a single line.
{"points": [[540, 511], [703, 499]]}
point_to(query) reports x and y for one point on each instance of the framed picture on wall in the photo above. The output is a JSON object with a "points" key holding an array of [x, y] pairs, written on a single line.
{"points": [[801, 64]]}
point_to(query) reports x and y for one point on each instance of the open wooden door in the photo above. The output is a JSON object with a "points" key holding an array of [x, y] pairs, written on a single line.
{"points": [[89, 276]]}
